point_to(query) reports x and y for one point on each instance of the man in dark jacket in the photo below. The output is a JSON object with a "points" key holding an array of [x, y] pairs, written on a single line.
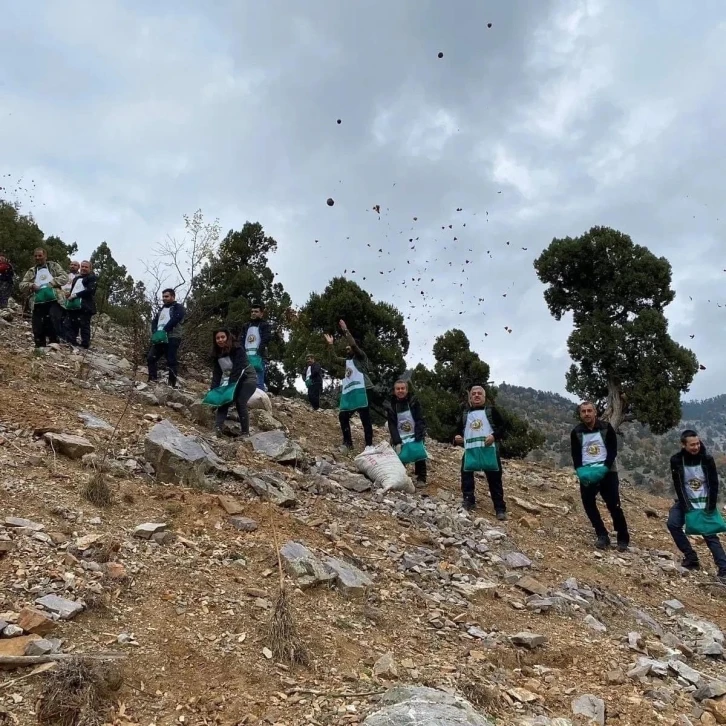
{"points": [[7, 275], [166, 333], [695, 481], [595, 442], [313, 376], [81, 306], [256, 336], [401, 410], [493, 426]]}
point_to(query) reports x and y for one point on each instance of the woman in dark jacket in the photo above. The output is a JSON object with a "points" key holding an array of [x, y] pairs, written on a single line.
{"points": [[404, 413], [230, 365]]}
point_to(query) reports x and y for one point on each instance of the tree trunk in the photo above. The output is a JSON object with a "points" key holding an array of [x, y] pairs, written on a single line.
{"points": [[615, 407]]}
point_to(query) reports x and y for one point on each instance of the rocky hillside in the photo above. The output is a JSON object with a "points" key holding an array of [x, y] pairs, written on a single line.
{"points": [[176, 582], [643, 457]]}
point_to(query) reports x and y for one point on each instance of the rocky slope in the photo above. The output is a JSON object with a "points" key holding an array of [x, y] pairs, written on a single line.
{"points": [[522, 618]]}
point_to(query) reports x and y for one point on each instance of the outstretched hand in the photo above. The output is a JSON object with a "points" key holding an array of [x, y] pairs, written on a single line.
{"points": [[343, 326], [329, 339]]}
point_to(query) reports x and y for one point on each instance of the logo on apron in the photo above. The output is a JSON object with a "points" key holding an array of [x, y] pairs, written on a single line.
{"points": [[406, 427], [695, 484], [593, 449], [476, 424], [251, 338], [348, 372]]}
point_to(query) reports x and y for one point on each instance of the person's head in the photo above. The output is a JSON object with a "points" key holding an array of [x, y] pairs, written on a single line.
{"points": [[222, 341], [168, 296], [86, 267], [310, 359], [587, 413], [257, 311], [400, 389], [477, 395], [690, 441], [40, 256], [3, 259], [75, 267]]}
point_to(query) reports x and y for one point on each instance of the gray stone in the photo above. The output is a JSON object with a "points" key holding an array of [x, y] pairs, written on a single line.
{"points": [[201, 414], [243, 524], [704, 628], [675, 606], [272, 488], [648, 666], [179, 459], [352, 482], [147, 397], [276, 446], [516, 560], [163, 538], [643, 618], [711, 648], [349, 579], [714, 689], [685, 671], [385, 666], [420, 706], [94, 422], [65, 609], [70, 445], [265, 421], [21, 523], [591, 707], [302, 564], [528, 640], [148, 529], [39, 647], [594, 624], [539, 604], [12, 631]]}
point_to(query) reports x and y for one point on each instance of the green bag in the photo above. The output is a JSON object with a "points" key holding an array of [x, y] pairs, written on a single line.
{"points": [[413, 451], [74, 304], [309, 382], [256, 361], [699, 521], [481, 458], [591, 474], [45, 295], [160, 337], [220, 396]]}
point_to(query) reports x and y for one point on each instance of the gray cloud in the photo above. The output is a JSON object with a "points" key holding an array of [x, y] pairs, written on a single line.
{"points": [[564, 114]]}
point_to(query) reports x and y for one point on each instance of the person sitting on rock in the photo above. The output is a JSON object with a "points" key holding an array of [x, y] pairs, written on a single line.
{"points": [[313, 376], [695, 480], [356, 386], [230, 365], [81, 306], [44, 281], [166, 333], [7, 277], [480, 430], [595, 442], [256, 335], [406, 425]]}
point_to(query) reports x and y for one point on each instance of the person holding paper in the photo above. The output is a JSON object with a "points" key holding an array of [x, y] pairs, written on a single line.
{"points": [[81, 306], [166, 333], [44, 282], [695, 480], [480, 428]]}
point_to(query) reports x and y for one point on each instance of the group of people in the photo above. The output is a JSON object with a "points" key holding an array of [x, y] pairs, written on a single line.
{"points": [[62, 302]]}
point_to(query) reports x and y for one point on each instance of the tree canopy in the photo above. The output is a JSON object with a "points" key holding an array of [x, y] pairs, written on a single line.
{"points": [[624, 359]]}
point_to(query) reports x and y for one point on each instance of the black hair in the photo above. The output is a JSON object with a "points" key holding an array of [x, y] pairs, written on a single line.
{"points": [[231, 342], [687, 434], [257, 306], [170, 290]]}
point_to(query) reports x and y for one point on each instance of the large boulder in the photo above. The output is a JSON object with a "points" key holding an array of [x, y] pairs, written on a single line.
{"points": [[271, 487], [264, 420], [276, 446], [201, 414], [419, 706], [179, 459], [70, 445], [304, 565]]}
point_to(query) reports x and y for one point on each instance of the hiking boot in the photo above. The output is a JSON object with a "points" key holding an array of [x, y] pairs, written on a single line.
{"points": [[721, 578], [603, 542], [502, 516], [690, 562], [421, 483], [468, 502], [623, 545]]}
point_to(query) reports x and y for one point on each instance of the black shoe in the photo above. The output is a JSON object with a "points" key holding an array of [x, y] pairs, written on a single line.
{"points": [[421, 483], [623, 546], [502, 516], [468, 502], [690, 562], [603, 542]]}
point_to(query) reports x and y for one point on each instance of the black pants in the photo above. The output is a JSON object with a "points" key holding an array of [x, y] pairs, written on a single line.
{"points": [[314, 396], [609, 490], [365, 419], [6, 288], [245, 388], [494, 480], [47, 323], [78, 321], [419, 469], [169, 351]]}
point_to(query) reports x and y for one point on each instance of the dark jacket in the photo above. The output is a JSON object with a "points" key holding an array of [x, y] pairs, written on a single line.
{"points": [[87, 296], [239, 363], [359, 358], [173, 327], [265, 335], [394, 406], [709, 469], [316, 374], [493, 416], [7, 275], [609, 437]]}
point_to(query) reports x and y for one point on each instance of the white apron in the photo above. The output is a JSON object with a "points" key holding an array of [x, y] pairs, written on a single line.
{"points": [[226, 365], [593, 448], [252, 340], [309, 374], [164, 318], [69, 285], [477, 429], [76, 286], [43, 277], [353, 395], [696, 490], [406, 426]]}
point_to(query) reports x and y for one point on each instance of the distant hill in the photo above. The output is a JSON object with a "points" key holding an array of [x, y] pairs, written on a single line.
{"points": [[643, 457]]}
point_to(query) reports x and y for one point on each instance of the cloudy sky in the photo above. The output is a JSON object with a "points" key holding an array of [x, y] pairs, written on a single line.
{"points": [[562, 115]]}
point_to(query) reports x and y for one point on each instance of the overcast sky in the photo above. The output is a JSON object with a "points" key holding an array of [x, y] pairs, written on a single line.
{"points": [[562, 115]]}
